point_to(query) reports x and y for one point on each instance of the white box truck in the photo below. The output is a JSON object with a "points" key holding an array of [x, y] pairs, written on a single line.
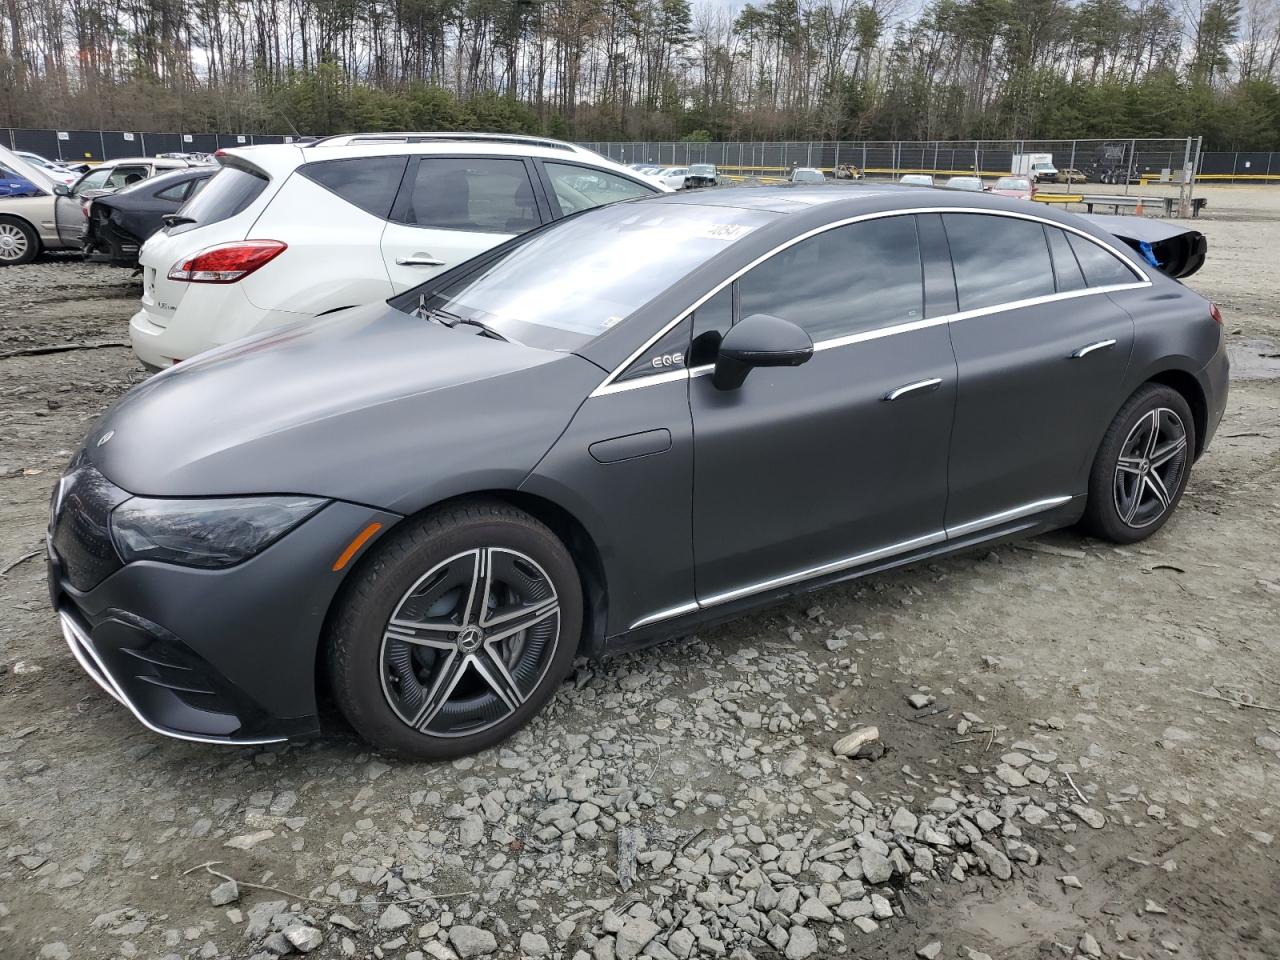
{"points": [[1038, 166]]}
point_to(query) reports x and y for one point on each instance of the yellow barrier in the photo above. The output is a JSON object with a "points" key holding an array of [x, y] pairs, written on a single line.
{"points": [[1058, 198]]}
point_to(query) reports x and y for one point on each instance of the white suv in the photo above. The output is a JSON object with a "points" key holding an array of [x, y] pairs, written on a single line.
{"points": [[288, 232]]}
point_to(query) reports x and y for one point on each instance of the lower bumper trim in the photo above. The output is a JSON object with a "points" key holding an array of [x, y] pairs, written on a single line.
{"points": [[83, 650]]}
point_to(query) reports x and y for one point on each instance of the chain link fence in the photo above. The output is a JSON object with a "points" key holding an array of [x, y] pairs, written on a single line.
{"points": [[1091, 161]]}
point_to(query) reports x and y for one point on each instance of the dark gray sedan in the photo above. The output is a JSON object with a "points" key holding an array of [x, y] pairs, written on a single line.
{"points": [[609, 430]]}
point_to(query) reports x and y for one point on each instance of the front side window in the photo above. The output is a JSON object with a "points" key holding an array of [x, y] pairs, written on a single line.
{"points": [[848, 280], [93, 180], [997, 259], [369, 183], [581, 188], [476, 194], [578, 278], [1101, 269]]}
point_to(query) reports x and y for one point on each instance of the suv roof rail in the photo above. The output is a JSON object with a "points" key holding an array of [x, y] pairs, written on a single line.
{"points": [[346, 139]]}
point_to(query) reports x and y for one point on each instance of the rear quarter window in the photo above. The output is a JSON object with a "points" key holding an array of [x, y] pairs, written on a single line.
{"points": [[369, 183], [1101, 268]]}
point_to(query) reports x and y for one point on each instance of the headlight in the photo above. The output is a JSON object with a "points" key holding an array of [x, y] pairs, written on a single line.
{"points": [[205, 533]]}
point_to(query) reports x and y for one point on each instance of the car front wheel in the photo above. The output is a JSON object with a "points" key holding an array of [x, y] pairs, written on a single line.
{"points": [[18, 242], [456, 631], [1142, 466]]}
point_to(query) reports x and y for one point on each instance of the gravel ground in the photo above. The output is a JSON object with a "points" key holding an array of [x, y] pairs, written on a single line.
{"points": [[1060, 774]]}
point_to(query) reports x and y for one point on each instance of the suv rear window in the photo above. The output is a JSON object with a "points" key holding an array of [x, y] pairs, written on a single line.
{"points": [[369, 183], [230, 191]]}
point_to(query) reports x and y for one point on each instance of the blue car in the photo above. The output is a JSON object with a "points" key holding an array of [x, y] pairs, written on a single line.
{"points": [[12, 185]]}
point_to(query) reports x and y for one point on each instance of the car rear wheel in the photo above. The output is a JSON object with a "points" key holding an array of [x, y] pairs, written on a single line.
{"points": [[19, 243], [455, 631], [1142, 466]]}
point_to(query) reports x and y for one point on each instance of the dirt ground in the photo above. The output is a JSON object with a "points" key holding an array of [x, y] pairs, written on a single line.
{"points": [[1112, 667]]}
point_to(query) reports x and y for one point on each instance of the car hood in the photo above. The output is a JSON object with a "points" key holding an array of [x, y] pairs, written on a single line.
{"points": [[28, 171], [369, 405]]}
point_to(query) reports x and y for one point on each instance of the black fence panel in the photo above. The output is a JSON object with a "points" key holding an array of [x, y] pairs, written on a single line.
{"points": [[117, 144], [200, 142], [43, 142], [80, 146], [154, 143], [226, 141], [267, 138]]}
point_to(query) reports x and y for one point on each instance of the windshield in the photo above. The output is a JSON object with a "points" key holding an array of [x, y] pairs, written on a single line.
{"points": [[703, 169], [569, 283], [1013, 183]]}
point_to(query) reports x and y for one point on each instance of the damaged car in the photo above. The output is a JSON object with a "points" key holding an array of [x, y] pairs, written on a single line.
{"points": [[118, 224]]}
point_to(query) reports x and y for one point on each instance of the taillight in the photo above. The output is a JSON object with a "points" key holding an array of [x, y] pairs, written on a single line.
{"points": [[227, 262], [1215, 313]]}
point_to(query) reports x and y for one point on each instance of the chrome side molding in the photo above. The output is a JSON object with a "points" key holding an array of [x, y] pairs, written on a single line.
{"points": [[857, 560]]}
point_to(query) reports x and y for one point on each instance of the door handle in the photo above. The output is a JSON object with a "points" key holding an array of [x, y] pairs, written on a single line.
{"points": [[419, 260], [930, 384], [1089, 348]]}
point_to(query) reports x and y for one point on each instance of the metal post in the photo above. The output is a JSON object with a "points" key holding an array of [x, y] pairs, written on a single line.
{"points": [[1129, 167], [977, 157], [1072, 165], [102, 145], [1195, 168], [835, 162]]}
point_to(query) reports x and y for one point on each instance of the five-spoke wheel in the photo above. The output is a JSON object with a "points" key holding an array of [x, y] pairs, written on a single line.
{"points": [[455, 630], [1142, 465]]}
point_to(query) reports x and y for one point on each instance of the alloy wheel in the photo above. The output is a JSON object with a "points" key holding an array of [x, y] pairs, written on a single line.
{"points": [[469, 642], [13, 242], [1150, 467]]}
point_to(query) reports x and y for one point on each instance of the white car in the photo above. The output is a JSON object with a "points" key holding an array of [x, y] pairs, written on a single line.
{"points": [[55, 171], [287, 232], [673, 177]]}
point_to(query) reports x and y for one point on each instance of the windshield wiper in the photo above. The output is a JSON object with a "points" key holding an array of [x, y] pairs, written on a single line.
{"points": [[485, 329], [447, 319]]}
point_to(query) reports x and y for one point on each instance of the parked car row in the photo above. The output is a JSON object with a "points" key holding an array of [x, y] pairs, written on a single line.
{"points": [[479, 463], [48, 207]]}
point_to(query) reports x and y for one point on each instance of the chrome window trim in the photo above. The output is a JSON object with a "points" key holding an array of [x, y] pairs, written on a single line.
{"points": [[904, 546], [609, 384]]}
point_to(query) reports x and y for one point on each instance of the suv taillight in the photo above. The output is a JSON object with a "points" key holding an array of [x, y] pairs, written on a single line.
{"points": [[227, 262]]}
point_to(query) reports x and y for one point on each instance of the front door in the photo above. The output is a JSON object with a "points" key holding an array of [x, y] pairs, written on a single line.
{"points": [[452, 208], [808, 471], [1042, 352]]}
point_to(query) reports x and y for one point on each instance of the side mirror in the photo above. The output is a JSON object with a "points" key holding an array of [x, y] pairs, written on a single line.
{"points": [[62, 190], [759, 340]]}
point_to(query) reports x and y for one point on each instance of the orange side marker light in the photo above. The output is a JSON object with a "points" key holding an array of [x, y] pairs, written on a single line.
{"points": [[354, 546]]}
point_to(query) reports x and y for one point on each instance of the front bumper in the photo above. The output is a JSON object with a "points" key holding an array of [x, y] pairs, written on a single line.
{"points": [[214, 656]]}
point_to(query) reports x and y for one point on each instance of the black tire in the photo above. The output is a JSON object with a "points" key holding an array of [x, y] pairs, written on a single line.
{"points": [[366, 665], [1157, 475], [19, 242]]}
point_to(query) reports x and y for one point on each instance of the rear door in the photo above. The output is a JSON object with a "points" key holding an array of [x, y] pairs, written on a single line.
{"points": [[451, 208], [1041, 351]]}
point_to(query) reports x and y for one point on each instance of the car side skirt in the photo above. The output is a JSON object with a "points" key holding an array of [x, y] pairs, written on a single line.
{"points": [[1021, 522]]}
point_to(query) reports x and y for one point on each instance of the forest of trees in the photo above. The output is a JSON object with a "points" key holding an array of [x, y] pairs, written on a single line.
{"points": [[652, 69]]}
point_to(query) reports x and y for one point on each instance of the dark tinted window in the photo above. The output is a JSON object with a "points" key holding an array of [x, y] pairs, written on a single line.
{"points": [[369, 183], [470, 193], [669, 353], [997, 259], [229, 192], [847, 280], [1101, 268], [177, 192], [1065, 268]]}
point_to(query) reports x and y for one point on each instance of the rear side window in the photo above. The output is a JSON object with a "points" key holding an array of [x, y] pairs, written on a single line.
{"points": [[843, 281], [581, 188], [477, 194], [369, 183], [1101, 269], [1065, 268], [997, 259], [228, 193], [177, 192]]}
